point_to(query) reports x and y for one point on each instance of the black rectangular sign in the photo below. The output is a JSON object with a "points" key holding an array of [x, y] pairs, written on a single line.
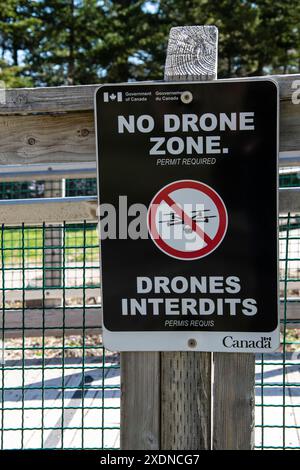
{"points": [[188, 190]]}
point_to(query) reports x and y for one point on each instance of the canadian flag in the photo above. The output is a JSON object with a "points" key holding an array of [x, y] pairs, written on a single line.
{"points": [[112, 96]]}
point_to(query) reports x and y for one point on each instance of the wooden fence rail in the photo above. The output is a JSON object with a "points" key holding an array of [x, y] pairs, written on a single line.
{"points": [[56, 124], [53, 317], [79, 208]]}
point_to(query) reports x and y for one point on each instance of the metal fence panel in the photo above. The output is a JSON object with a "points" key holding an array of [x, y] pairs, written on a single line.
{"points": [[56, 391], [59, 387], [278, 374]]}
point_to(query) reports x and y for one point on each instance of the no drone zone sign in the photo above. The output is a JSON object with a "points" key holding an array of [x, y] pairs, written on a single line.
{"points": [[188, 215]]}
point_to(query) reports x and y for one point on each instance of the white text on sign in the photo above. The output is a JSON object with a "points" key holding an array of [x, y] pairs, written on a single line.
{"points": [[207, 122], [208, 285]]}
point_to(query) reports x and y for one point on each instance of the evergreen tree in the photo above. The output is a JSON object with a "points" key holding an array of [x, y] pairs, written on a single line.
{"points": [[124, 48], [88, 42], [56, 42], [60, 42], [255, 37], [14, 24]]}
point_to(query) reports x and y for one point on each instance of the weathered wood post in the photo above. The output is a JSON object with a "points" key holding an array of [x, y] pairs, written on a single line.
{"points": [[53, 240], [186, 376], [233, 403], [168, 399], [140, 401]]}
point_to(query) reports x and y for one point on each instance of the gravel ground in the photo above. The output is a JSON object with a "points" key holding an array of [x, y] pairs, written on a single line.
{"points": [[73, 347]]}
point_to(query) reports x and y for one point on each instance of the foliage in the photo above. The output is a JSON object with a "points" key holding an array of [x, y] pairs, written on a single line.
{"points": [[255, 37], [56, 42]]}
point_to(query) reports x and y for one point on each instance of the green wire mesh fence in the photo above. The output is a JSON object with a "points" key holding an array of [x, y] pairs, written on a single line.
{"points": [[289, 179], [21, 190], [278, 374], [59, 387], [38, 189]]}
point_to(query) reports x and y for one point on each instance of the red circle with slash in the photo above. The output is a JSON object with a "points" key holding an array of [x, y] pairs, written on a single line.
{"points": [[207, 225]]}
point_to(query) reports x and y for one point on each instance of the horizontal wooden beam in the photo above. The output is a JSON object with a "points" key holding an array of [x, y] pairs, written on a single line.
{"points": [[46, 171], [77, 170], [51, 322], [63, 130], [81, 98], [292, 313], [48, 99], [72, 316], [91, 294], [80, 208], [50, 138], [289, 200], [58, 321], [49, 210], [289, 159]]}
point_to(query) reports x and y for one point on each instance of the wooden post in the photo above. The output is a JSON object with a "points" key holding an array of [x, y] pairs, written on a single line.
{"points": [[53, 239], [167, 398], [53, 251], [233, 404], [140, 401], [186, 376]]}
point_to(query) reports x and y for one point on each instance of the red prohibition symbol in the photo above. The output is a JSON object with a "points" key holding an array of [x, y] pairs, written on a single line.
{"points": [[187, 219]]}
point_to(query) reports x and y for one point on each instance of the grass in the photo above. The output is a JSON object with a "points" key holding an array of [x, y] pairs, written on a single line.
{"points": [[79, 244]]}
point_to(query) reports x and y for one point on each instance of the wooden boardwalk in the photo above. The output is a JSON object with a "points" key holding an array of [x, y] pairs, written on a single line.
{"points": [[73, 410], [280, 413], [91, 400]]}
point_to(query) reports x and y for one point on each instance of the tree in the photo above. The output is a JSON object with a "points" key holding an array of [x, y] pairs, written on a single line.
{"points": [[277, 36], [58, 46], [14, 24], [12, 76], [123, 50], [88, 41], [56, 42], [255, 37]]}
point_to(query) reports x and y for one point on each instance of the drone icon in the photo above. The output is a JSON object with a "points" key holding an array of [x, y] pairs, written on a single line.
{"points": [[197, 216]]}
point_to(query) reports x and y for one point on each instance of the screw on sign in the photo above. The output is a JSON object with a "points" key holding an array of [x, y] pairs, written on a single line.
{"points": [[187, 219]]}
